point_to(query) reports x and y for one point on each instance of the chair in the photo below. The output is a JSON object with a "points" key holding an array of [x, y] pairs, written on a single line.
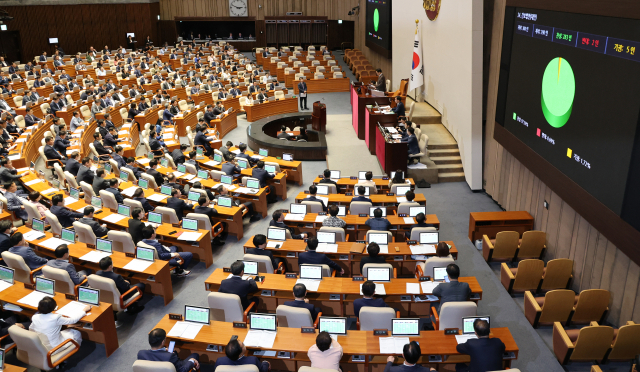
{"points": [[415, 232], [31, 350], [526, 277], [366, 267], [88, 191], [276, 165], [32, 211], [279, 94], [22, 272], [121, 241], [264, 263], [200, 191], [85, 233], [356, 208], [204, 223], [64, 283], [295, 317], [427, 267], [555, 306], [85, 111], [115, 169], [503, 247], [590, 305], [71, 180], [422, 145], [313, 206], [56, 227], [240, 368], [152, 181], [341, 236], [590, 343], [378, 232], [451, 314], [109, 200], [168, 215], [226, 307], [216, 175], [532, 245], [557, 274], [394, 187], [404, 207], [132, 176], [109, 292], [625, 342], [376, 318], [411, 108], [133, 203]]}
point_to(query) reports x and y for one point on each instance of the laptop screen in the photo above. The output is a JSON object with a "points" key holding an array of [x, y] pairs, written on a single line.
{"points": [[270, 168], [361, 175], [165, 190], [55, 183], [89, 296], [276, 234], [104, 245], [335, 174], [124, 210], [68, 235], [414, 211], [224, 201], [203, 174], [253, 184], [265, 322], [149, 156], [311, 272], [45, 286], [37, 225], [164, 162], [144, 253], [322, 190], [467, 323], [405, 327], [182, 168], [429, 237], [263, 152], [96, 202], [124, 176], [107, 167], [217, 158], [287, 157], [393, 174], [250, 267], [298, 208], [196, 314], [74, 193], [190, 224], [143, 183], [243, 164], [333, 325], [401, 190], [440, 274], [326, 237], [372, 209], [6, 274], [194, 196], [379, 274], [342, 210], [155, 217], [227, 180], [199, 151], [380, 238]]}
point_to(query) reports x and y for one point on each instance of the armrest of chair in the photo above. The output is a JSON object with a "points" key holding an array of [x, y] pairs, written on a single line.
{"points": [[246, 312], [562, 344], [75, 288], [10, 347], [436, 318], [315, 324], [52, 351], [54, 160], [333, 273], [487, 248], [218, 224], [506, 277], [33, 272], [532, 310], [131, 290], [279, 268], [395, 273], [593, 323], [419, 272], [595, 368]]}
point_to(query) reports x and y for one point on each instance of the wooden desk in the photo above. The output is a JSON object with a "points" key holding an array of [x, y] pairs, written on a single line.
{"points": [[283, 106], [226, 124], [12, 368], [348, 184], [491, 223], [185, 119], [293, 168], [377, 199], [291, 340], [335, 295], [358, 103], [100, 318], [391, 155], [329, 85], [371, 120], [151, 117]]}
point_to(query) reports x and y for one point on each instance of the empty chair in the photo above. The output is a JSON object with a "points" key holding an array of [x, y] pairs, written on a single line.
{"points": [[168, 215], [64, 283], [371, 318], [341, 236], [88, 191], [85, 233], [626, 343], [591, 305], [526, 277], [264, 263], [71, 180], [121, 240], [226, 307], [31, 350], [532, 244], [56, 227], [313, 206], [451, 314], [503, 247], [108, 200], [356, 208], [590, 343], [109, 292], [557, 274], [216, 175], [555, 306], [22, 272], [294, 317]]}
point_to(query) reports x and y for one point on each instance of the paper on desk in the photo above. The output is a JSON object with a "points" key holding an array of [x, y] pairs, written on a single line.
{"points": [[157, 197], [94, 256], [143, 160], [464, 338], [327, 248], [379, 289], [15, 157], [72, 309], [413, 288], [32, 182], [33, 298], [236, 151], [167, 135], [194, 180], [211, 163], [52, 243], [263, 339], [185, 330], [137, 265], [427, 287], [114, 218], [20, 170], [33, 235], [321, 218], [396, 136], [392, 345], [68, 200], [4, 285], [294, 217], [178, 174], [392, 130], [311, 284], [190, 236], [401, 199], [129, 190], [244, 277], [127, 126], [23, 139], [409, 220], [123, 132], [188, 176]]}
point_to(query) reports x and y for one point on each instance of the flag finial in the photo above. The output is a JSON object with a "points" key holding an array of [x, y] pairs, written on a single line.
{"points": [[417, 21]]}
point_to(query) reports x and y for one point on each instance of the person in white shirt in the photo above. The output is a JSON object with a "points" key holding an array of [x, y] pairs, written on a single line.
{"points": [[76, 122], [48, 325], [325, 353], [101, 72], [368, 181]]}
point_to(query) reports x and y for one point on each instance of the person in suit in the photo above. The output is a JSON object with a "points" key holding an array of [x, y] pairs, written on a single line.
{"points": [[159, 353], [230, 168], [361, 190], [178, 154], [51, 153], [262, 96], [136, 225], [6, 229], [420, 219], [7, 172], [87, 219], [219, 109], [65, 216], [454, 290], [368, 290], [260, 243], [327, 178], [313, 190], [411, 353], [381, 84], [31, 119], [203, 140], [61, 143], [62, 262], [278, 221], [485, 353], [20, 247], [412, 141], [283, 133], [130, 165], [110, 139], [312, 257], [373, 257], [378, 222], [106, 271], [170, 254], [236, 285], [76, 122], [234, 92], [97, 144], [177, 204], [203, 208], [14, 203], [138, 195], [84, 171], [153, 172], [113, 188], [117, 156], [302, 88], [99, 183], [301, 300], [73, 165], [236, 355]]}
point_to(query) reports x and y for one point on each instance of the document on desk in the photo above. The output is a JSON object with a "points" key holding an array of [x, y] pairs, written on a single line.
{"points": [[72, 309], [33, 235], [167, 136], [211, 163], [392, 345], [94, 256], [157, 197], [423, 249], [327, 248], [33, 298], [294, 217], [409, 220], [191, 236], [273, 243], [143, 161], [320, 219], [32, 182], [53, 243], [263, 339], [114, 218], [464, 338], [186, 330], [401, 199], [130, 190], [427, 287], [392, 130], [188, 176], [81, 210], [169, 143], [47, 191], [4, 285], [324, 199], [379, 289], [311, 284], [68, 200], [178, 174], [137, 265], [236, 151], [413, 288]]}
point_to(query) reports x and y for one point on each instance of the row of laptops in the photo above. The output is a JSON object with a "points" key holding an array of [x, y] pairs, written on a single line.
{"points": [[87, 295], [324, 190], [335, 174], [431, 237], [342, 210]]}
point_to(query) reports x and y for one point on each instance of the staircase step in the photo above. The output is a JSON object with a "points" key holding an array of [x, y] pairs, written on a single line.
{"points": [[447, 160], [449, 168], [451, 177], [443, 146], [444, 152]]}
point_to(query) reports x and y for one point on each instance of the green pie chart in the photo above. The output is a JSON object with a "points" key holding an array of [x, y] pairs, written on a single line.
{"points": [[558, 92], [376, 20]]}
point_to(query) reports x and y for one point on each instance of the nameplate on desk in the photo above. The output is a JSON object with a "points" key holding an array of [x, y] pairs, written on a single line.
{"points": [[132, 255], [69, 296], [29, 286], [391, 194], [358, 279], [322, 213], [306, 191], [380, 332], [92, 246], [403, 215], [353, 178], [451, 331], [175, 316], [363, 215], [348, 194], [226, 269], [239, 325], [424, 278], [361, 241], [291, 275], [412, 242], [385, 178], [175, 224], [307, 330]]}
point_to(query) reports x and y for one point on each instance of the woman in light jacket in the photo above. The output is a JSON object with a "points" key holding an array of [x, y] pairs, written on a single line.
{"points": [[48, 325]]}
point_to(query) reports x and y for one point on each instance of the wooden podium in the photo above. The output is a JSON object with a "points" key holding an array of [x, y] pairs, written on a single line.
{"points": [[319, 117]]}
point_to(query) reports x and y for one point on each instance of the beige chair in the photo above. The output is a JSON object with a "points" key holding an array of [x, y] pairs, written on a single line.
{"points": [[588, 344], [532, 245], [451, 314], [109, 292], [295, 317], [71, 180], [150, 179], [64, 283], [405, 207], [85, 233], [555, 306], [60, 173], [170, 161], [115, 169], [426, 268], [204, 223], [502, 248], [591, 305], [264, 263], [168, 215], [121, 241], [313, 206], [150, 366], [341, 236], [133, 203], [32, 211], [22, 272], [240, 368], [31, 350], [201, 192], [108, 200], [56, 227], [526, 277], [557, 274], [626, 342], [132, 176], [226, 307], [85, 111], [356, 208], [88, 191], [411, 109], [366, 267], [216, 175], [415, 232], [376, 318], [326, 271], [394, 187]]}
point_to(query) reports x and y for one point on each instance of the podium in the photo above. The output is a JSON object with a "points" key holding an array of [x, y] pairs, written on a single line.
{"points": [[319, 117]]}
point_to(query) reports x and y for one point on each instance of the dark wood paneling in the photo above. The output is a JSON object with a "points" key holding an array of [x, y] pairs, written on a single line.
{"points": [[339, 33]]}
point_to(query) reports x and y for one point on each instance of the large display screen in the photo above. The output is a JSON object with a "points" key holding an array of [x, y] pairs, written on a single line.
{"points": [[570, 87], [378, 30]]}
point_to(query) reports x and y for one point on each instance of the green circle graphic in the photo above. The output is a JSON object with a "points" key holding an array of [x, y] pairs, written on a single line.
{"points": [[376, 20], [558, 92]]}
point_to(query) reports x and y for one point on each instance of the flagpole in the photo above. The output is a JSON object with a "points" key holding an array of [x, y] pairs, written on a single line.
{"points": [[415, 93]]}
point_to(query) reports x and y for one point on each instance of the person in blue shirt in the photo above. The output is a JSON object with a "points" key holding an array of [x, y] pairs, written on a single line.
{"points": [[259, 173], [361, 198], [313, 190], [378, 222], [170, 254], [119, 151], [412, 141], [368, 290], [113, 188]]}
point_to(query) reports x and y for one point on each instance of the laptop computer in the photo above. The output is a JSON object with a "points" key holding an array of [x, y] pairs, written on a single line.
{"points": [[383, 209], [429, 237], [155, 218], [217, 158], [287, 157], [194, 196], [89, 296], [467, 324], [196, 314], [405, 327], [263, 152], [203, 174], [253, 184], [401, 190], [227, 180], [276, 233], [225, 201], [38, 225], [181, 168], [190, 224], [104, 245], [243, 164], [143, 183], [335, 175], [146, 254], [414, 211], [312, 272], [68, 235], [393, 174], [270, 168], [6, 274], [440, 274], [333, 325], [124, 176], [361, 175], [322, 189], [250, 267], [342, 210], [262, 322], [164, 162], [166, 190], [107, 167], [124, 210], [96, 202], [379, 274], [326, 237], [46, 286]]}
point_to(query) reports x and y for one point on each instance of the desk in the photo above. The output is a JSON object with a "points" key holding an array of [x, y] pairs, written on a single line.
{"points": [[150, 117], [392, 156], [491, 223], [102, 324], [371, 120], [12, 368], [225, 125], [376, 199], [330, 85], [336, 294], [291, 340], [283, 106], [358, 104], [185, 119], [293, 168], [347, 183], [29, 149]]}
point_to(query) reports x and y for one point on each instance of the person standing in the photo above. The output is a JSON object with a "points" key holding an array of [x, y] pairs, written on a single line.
{"points": [[302, 87]]}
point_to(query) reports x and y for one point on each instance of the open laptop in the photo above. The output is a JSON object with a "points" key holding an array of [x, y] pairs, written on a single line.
{"points": [[164, 162], [342, 210], [372, 209], [440, 274], [196, 314], [335, 175], [146, 254], [263, 152], [89, 296], [243, 164], [298, 208], [227, 180], [382, 239], [203, 174], [96, 202], [361, 175], [262, 322], [414, 211], [322, 189], [38, 225], [270, 168], [276, 233], [405, 327], [393, 174], [155, 218], [124, 176], [104, 245], [429, 237], [194, 196], [379, 274], [253, 185], [217, 158], [143, 183], [6, 274], [46, 286], [467, 323], [311, 272], [250, 267], [326, 237], [287, 157], [333, 325], [190, 224], [68, 235], [181, 168], [107, 167], [401, 190], [225, 201], [166, 190], [124, 210]]}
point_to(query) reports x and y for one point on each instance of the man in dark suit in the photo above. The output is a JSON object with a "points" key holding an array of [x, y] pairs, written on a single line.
{"points": [[368, 290], [302, 88], [314, 258], [209, 114], [411, 353], [373, 258], [278, 221], [177, 204], [97, 144], [7, 172], [113, 188], [157, 176], [61, 143], [399, 109], [283, 133], [178, 154], [381, 84], [106, 271], [98, 230], [111, 139], [51, 152], [30, 119], [99, 183], [327, 178], [6, 228], [66, 217], [313, 190], [102, 128], [236, 285], [136, 225], [236, 355], [260, 243], [454, 290], [219, 109], [130, 165], [202, 140], [231, 168], [377, 222], [20, 247], [170, 254], [361, 190], [486, 353], [159, 353], [84, 171], [412, 141], [301, 301], [203, 208]]}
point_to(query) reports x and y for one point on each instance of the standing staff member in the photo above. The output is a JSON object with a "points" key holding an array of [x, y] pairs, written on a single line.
{"points": [[302, 87]]}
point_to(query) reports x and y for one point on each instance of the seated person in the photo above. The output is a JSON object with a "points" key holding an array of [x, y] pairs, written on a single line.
{"points": [[231, 168], [486, 353], [66, 217], [131, 165], [153, 172], [136, 225], [20, 247], [98, 230], [411, 353], [454, 290], [313, 190], [442, 251], [48, 325], [139, 196], [283, 133], [170, 254], [420, 219], [62, 262], [173, 182], [413, 147], [378, 222], [259, 173], [6, 229], [113, 188], [236, 355], [159, 353], [368, 181], [36, 199], [222, 191], [177, 204], [301, 300], [327, 178], [8, 319], [333, 220], [325, 353], [368, 290], [373, 257], [361, 190], [106, 271], [260, 243], [243, 288], [278, 221], [99, 183], [73, 165], [311, 257], [203, 208]]}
